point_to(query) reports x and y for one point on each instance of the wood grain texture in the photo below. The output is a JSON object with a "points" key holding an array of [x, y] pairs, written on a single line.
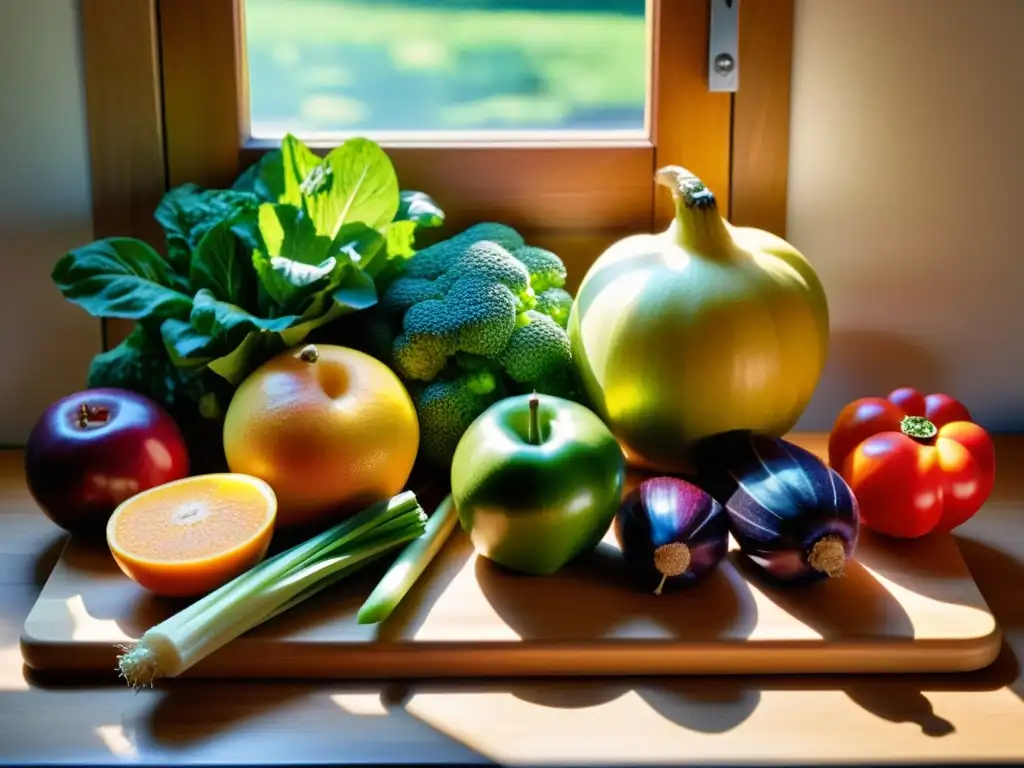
{"points": [[760, 132], [203, 87], [900, 608], [917, 719], [124, 111], [690, 125]]}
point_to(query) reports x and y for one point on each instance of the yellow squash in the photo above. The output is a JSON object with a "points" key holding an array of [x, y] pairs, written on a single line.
{"points": [[697, 330]]}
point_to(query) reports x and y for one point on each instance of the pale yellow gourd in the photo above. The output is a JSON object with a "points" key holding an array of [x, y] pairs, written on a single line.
{"points": [[700, 329]]}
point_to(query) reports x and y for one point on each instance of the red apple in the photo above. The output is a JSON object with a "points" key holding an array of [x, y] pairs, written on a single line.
{"points": [[92, 450]]}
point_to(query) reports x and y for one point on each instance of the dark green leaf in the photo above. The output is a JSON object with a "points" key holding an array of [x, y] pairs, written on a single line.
{"points": [[215, 330], [222, 264], [188, 212], [120, 277], [140, 364], [219, 319], [185, 346], [356, 291], [255, 349], [264, 178], [419, 207]]}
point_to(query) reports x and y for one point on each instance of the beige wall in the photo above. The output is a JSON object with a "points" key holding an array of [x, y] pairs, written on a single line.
{"points": [[906, 159], [45, 343], [907, 163]]}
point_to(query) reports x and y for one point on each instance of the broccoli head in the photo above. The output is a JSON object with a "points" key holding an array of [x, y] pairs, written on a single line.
{"points": [[477, 315], [482, 315], [538, 355], [445, 409], [489, 260], [556, 303], [479, 259], [434, 261], [546, 270]]}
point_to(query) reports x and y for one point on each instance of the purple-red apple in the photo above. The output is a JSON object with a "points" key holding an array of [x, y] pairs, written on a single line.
{"points": [[90, 451]]}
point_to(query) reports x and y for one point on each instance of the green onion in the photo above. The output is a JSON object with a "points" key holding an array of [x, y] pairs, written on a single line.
{"points": [[409, 565], [270, 588]]}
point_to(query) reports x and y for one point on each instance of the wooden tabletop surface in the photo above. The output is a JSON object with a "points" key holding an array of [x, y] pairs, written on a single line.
{"points": [[964, 718]]}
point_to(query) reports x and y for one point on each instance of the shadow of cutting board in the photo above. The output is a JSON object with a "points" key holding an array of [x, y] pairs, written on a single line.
{"points": [[903, 607]]}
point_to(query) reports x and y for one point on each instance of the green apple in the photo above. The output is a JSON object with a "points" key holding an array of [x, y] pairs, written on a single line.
{"points": [[537, 481]]}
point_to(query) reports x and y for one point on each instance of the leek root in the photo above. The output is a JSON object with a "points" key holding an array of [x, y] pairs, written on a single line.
{"points": [[270, 588]]}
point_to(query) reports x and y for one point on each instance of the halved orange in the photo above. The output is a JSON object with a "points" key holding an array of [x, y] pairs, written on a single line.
{"points": [[188, 537]]}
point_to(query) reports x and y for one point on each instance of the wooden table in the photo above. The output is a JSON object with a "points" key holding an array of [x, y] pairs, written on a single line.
{"points": [[966, 718]]}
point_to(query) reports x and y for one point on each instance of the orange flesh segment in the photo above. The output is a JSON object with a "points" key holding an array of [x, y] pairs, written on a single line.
{"points": [[194, 520]]}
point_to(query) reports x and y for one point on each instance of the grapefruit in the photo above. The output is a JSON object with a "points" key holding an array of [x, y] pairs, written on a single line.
{"points": [[330, 429], [188, 537]]}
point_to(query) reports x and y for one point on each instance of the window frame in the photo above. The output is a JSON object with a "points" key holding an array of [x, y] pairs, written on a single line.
{"points": [[167, 104]]}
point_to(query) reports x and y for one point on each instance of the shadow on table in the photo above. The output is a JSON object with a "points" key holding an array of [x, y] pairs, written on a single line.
{"points": [[548, 610]]}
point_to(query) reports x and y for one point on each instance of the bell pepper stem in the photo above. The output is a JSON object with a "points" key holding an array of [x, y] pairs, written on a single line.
{"points": [[918, 427]]}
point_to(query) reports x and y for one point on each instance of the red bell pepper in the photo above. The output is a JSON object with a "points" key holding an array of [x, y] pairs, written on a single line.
{"points": [[916, 464]]}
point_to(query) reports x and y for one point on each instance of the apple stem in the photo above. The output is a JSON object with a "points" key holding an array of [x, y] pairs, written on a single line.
{"points": [[88, 414], [534, 420]]}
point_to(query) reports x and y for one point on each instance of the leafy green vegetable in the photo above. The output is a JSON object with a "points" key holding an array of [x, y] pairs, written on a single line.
{"points": [[297, 242], [138, 364], [121, 277], [264, 178], [188, 212], [420, 208], [355, 182], [222, 264]]}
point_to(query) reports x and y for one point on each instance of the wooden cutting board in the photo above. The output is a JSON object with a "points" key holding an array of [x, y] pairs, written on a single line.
{"points": [[903, 607]]}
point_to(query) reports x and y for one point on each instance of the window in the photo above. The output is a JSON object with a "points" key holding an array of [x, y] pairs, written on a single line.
{"points": [[455, 69], [548, 115]]}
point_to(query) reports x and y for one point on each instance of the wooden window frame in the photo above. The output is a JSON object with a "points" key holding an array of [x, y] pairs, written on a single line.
{"points": [[167, 104]]}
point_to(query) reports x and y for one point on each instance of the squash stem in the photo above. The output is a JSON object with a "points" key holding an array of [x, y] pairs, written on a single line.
{"points": [[697, 227]]}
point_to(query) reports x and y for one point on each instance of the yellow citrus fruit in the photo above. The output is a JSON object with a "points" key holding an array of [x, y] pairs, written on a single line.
{"points": [[188, 537], [330, 429]]}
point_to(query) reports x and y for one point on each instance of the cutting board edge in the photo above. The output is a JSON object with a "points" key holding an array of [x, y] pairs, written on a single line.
{"points": [[631, 658]]}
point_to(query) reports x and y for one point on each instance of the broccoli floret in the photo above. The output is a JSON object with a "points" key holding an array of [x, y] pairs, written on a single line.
{"points": [[445, 410], [406, 291], [476, 316], [538, 355], [482, 259], [545, 268], [491, 261], [556, 303], [434, 261]]}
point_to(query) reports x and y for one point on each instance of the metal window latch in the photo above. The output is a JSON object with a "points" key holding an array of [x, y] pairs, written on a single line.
{"points": [[724, 47]]}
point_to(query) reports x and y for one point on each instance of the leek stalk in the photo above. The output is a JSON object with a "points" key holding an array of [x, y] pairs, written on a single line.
{"points": [[409, 564], [270, 588]]}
